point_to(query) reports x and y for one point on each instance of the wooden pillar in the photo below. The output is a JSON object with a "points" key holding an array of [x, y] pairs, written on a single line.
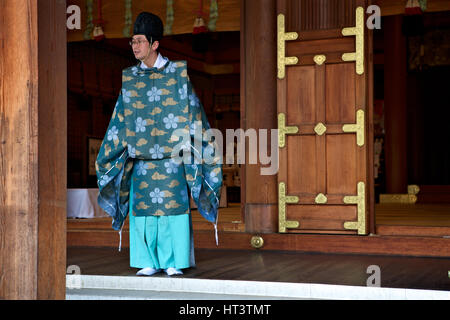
{"points": [[259, 108], [32, 149], [395, 105]]}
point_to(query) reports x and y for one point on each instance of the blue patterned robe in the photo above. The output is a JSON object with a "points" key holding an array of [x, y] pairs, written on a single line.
{"points": [[157, 118]]}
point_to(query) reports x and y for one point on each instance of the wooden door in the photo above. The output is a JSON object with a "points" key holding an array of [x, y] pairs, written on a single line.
{"points": [[322, 105]]}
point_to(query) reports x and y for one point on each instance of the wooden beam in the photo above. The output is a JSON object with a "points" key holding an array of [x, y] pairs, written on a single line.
{"points": [[229, 14], [370, 92], [18, 149], [52, 141], [406, 245], [32, 149], [258, 75], [395, 106], [334, 244], [184, 15]]}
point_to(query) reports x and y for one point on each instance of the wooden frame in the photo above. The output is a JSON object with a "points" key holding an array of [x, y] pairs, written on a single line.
{"points": [[33, 166], [258, 109]]}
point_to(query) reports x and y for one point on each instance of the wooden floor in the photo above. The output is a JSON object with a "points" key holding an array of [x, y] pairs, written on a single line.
{"points": [[413, 219], [396, 272], [421, 215]]}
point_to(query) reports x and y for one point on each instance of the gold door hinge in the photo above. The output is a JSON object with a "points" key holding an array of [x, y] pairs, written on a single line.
{"points": [[360, 201], [357, 127], [282, 37], [283, 130], [409, 198], [358, 32], [283, 199]]}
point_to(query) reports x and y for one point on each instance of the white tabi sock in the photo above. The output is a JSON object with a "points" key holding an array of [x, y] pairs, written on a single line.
{"points": [[173, 272], [147, 272]]}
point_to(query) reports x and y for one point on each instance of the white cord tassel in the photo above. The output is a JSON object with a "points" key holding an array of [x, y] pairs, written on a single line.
{"points": [[120, 240], [217, 236]]}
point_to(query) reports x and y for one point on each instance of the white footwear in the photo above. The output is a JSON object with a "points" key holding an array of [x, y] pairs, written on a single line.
{"points": [[147, 272], [173, 272]]}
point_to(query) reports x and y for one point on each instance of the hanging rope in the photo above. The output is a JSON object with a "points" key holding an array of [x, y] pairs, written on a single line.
{"points": [[128, 19], [423, 5], [169, 18], [89, 24], [213, 15]]}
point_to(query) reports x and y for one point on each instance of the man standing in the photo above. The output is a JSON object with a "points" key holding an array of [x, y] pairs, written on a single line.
{"points": [[157, 120]]}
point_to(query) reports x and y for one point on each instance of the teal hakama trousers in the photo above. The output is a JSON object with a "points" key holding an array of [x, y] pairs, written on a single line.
{"points": [[161, 242]]}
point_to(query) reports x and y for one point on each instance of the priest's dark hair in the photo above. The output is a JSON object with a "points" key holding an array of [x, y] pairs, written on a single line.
{"points": [[149, 25]]}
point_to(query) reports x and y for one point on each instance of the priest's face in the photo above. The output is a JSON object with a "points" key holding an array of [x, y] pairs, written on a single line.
{"points": [[140, 46]]}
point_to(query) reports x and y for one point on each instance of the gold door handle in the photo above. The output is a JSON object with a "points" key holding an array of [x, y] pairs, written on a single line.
{"points": [[357, 127], [282, 37], [283, 199], [358, 32], [283, 130]]}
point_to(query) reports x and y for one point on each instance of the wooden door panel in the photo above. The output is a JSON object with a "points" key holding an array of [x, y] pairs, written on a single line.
{"points": [[340, 93], [322, 102], [321, 218], [341, 168], [301, 95], [302, 164], [313, 47], [303, 15]]}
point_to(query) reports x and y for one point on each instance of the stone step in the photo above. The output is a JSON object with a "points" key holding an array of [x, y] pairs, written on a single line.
{"points": [[121, 294], [132, 287]]}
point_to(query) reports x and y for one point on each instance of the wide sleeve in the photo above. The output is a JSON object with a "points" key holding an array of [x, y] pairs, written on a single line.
{"points": [[204, 173], [113, 169]]}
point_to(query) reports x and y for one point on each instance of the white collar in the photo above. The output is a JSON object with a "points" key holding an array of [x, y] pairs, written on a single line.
{"points": [[159, 63]]}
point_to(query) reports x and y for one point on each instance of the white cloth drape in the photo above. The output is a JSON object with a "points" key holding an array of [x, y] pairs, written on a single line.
{"points": [[82, 203]]}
